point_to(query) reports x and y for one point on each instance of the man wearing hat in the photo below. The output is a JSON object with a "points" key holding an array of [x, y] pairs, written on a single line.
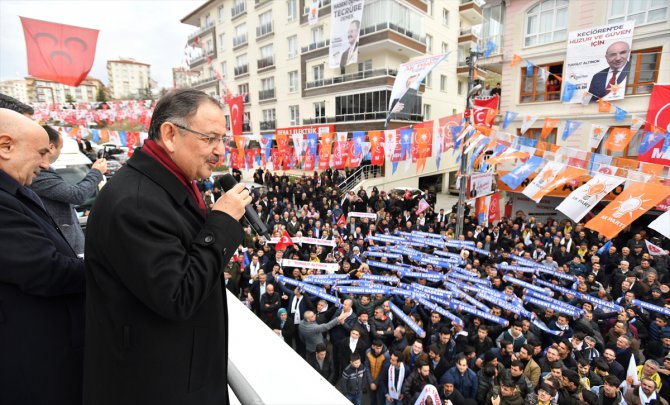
{"points": [[449, 391]]}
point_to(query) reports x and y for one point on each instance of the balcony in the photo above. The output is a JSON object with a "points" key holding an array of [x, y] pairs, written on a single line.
{"points": [[268, 125], [264, 95], [240, 40], [246, 99], [469, 35], [315, 45], [204, 82], [471, 11], [197, 61], [246, 127], [264, 30], [261, 3], [366, 74], [241, 70], [202, 31], [266, 63], [238, 9], [371, 116]]}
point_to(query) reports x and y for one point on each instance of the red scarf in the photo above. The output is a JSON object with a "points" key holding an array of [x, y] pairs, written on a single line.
{"points": [[152, 149]]}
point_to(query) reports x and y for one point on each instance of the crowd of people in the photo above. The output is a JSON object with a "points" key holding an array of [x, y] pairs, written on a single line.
{"points": [[367, 351]]}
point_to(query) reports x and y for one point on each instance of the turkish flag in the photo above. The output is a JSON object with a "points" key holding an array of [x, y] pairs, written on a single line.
{"points": [[284, 242], [236, 106], [658, 112], [59, 52], [481, 110], [341, 221]]}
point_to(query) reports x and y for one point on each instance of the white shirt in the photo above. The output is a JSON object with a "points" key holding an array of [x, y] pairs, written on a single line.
{"points": [[295, 309]]}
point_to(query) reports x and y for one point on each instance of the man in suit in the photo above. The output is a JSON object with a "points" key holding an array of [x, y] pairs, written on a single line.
{"points": [[351, 54], [157, 323], [58, 196], [608, 80], [42, 281]]}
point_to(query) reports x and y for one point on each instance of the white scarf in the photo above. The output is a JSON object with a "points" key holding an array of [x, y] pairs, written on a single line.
{"points": [[644, 399], [395, 388], [352, 344], [295, 309], [429, 391]]}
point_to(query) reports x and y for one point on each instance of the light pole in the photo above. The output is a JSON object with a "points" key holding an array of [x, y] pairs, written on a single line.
{"points": [[463, 181]]}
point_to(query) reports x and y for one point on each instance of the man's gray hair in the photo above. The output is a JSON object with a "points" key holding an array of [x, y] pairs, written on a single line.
{"points": [[177, 106]]}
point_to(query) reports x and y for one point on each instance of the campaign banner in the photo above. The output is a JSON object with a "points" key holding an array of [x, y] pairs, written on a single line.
{"points": [[370, 215], [543, 178], [658, 120], [662, 224], [329, 267], [598, 62], [345, 27], [481, 184], [408, 79]]}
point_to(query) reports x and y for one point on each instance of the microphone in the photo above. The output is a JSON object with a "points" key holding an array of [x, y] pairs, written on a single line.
{"points": [[228, 182]]}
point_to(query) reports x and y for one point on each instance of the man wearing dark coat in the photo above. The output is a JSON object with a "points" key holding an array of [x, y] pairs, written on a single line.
{"points": [[157, 324], [42, 281]]}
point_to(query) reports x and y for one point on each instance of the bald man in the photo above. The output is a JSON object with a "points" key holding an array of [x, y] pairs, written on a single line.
{"points": [[41, 280], [603, 83]]}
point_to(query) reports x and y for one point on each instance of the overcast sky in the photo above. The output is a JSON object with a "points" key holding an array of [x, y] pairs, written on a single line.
{"points": [[149, 31]]}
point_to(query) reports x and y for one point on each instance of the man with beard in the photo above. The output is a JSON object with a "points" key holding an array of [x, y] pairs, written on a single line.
{"points": [[531, 368], [643, 394]]}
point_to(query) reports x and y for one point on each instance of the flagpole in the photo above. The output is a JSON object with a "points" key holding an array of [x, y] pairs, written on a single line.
{"points": [[460, 209]]}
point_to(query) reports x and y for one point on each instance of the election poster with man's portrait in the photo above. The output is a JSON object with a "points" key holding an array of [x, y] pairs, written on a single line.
{"points": [[345, 28], [598, 62]]}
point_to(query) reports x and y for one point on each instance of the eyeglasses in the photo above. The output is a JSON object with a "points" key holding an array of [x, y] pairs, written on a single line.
{"points": [[210, 139]]}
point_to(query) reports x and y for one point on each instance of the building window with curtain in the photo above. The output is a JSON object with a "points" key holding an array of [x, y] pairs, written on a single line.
{"points": [[547, 21], [644, 67], [640, 11], [541, 86]]}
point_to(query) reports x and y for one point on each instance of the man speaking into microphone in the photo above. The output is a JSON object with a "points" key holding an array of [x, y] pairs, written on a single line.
{"points": [[156, 317]]}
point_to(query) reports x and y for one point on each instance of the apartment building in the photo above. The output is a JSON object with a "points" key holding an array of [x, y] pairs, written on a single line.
{"points": [[15, 88], [47, 91], [184, 78], [267, 51], [540, 34], [128, 79]]}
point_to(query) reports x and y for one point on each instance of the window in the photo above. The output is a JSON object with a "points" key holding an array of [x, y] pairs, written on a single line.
{"points": [[269, 115], [535, 133], [536, 87], [445, 17], [224, 68], [242, 65], [546, 22], [208, 21], [268, 84], [317, 72], [644, 67], [443, 83], [426, 112], [210, 46], [294, 114], [239, 7], [429, 43], [292, 9], [222, 42], [264, 24], [293, 81], [240, 35], [429, 80], [374, 106], [445, 47], [267, 52], [317, 34], [320, 109], [292, 46], [460, 87], [429, 7], [640, 11], [220, 13], [365, 66]]}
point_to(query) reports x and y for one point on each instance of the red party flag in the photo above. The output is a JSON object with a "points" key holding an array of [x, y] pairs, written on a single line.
{"points": [[59, 52], [236, 106], [284, 242]]}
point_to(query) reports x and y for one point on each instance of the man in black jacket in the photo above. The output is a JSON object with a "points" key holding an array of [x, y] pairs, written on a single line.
{"points": [[42, 281], [157, 324], [322, 362]]}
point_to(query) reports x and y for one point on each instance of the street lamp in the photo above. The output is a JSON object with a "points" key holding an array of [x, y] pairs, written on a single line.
{"points": [[460, 208]]}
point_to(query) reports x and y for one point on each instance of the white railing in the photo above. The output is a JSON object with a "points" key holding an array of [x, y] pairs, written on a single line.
{"points": [[362, 173]]}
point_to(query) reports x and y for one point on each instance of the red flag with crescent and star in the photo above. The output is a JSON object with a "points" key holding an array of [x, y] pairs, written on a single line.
{"points": [[284, 242], [482, 105], [236, 106], [59, 52]]}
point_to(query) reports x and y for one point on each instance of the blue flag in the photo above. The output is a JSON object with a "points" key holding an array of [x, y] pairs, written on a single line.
{"points": [[358, 138], [666, 143], [122, 138], [649, 140], [514, 178], [406, 143], [619, 114], [597, 159], [490, 47], [268, 149], [95, 135], [509, 117], [605, 247], [477, 151], [530, 68], [521, 141], [568, 91], [454, 135], [570, 127]]}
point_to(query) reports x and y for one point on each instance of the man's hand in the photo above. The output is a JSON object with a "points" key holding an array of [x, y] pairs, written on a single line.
{"points": [[373, 387], [233, 201], [100, 165]]}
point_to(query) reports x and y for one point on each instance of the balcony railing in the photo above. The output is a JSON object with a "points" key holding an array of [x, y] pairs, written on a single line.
{"points": [[238, 9], [200, 31], [419, 37], [240, 40], [366, 74], [315, 45], [260, 3], [246, 128], [322, 4], [370, 116], [478, 3], [203, 81], [241, 70], [265, 29], [199, 59], [266, 62], [470, 31], [266, 94], [268, 125], [246, 99]]}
